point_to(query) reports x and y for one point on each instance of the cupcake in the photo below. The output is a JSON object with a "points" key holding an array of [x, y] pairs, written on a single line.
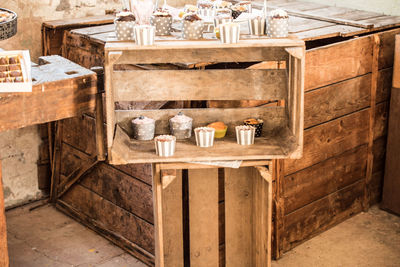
{"points": [[247, 5], [222, 16], [143, 128], [165, 145], [204, 136], [237, 10], [124, 23], [189, 9], [181, 126], [256, 123], [278, 24], [192, 27], [222, 4], [206, 8], [220, 129], [162, 21]]}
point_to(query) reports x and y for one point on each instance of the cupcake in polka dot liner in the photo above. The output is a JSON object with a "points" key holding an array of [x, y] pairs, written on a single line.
{"points": [[278, 24], [162, 21], [192, 27], [124, 24]]}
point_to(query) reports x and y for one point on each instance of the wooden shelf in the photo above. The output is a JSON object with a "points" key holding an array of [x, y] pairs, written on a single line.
{"points": [[283, 124]]}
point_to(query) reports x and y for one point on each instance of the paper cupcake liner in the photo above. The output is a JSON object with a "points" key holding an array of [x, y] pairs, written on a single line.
{"points": [[165, 145], [245, 134], [124, 30], [278, 28], [204, 136], [162, 25], [258, 127], [257, 26], [144, 34], [206, 12], [229, 33], [192, 30], [218, 21]]}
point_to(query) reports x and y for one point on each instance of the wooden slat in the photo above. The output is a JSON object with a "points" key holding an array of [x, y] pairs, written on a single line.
{"points": [[386, 49], [239, 239], [384, 85], [336, 100], [91, 20], [203, 212], [172, 222], [330, 139], [4, 260], [324, 178], [381, 120], [142, 85], [337, 62]]}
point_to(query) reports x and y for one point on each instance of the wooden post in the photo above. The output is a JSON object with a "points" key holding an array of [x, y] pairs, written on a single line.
{"points": [[4, 261]]}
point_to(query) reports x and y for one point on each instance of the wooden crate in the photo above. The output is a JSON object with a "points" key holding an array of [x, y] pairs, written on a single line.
{"points": [[193, 235], [283, 127]]}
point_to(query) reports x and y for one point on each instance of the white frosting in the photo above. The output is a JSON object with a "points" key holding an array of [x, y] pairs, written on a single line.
{"points": [[204, 129], [124, 14], [145, 120], [244, 128], [278, 13], [165, 138]]}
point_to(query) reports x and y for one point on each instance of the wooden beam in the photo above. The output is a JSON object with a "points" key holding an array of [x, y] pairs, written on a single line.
{"points": [[4, 260]]}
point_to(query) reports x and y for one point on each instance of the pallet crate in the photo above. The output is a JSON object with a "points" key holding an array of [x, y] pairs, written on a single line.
{"points": [[283, 127]]}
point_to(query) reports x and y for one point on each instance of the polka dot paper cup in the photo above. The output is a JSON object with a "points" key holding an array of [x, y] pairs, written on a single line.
{"points": [[192, 30], [124, 30], [162, 25], [277, 27]]}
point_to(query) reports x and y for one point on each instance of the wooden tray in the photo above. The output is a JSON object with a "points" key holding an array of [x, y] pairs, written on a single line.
{"points": [[283, 127]]}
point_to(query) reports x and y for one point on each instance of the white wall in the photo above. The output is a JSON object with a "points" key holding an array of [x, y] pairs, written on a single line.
{"points": [[387, 7]]}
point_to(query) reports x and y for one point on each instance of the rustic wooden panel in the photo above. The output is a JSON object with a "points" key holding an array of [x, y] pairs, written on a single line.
{"points": [[324, 178], [331, 139], [375, 187], [239, 240], [142, 172], [384, 85], [336, 100], [4, 260], [173, 222], [386, 49], [337, 62], [320, 215], [112, 217], [203, 212], [142, 85], [79, 132], [379, 152], [381, 119]]}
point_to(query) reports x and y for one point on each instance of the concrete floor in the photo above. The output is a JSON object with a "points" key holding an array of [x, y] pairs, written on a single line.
{"points": [[45, 237]]}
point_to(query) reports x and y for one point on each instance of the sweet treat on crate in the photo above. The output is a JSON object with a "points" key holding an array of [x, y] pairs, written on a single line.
{"points": [[205, 8], [181, 126], [222, 16], [162, 21], [257, 26], [278, 24], [257, 123], [220, 129], [222, 4], [237, 10], [144, 34], [6, 16], [229, 33], [204, 136], [189, 9], [245, 134], [124, 23], [192, 27], [10, 69], [143, 128], [247, 5], [165, 145]]}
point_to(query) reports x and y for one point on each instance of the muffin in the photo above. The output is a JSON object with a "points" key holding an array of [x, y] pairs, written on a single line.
{"points": [[124, 23], [162, 21], [257, 124], [278, 24], [237, 10], [220, 128], [192, 27]]}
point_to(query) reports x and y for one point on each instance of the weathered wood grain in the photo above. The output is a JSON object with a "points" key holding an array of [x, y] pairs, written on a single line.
{"points": [[79, 132], [320, 215], [324, 178], [331, 139], [386, 49], [4, 260], [381, 120], [384, 85]]}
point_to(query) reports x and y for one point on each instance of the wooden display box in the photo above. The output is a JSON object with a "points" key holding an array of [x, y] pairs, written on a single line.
{"points": [[283, 125]]}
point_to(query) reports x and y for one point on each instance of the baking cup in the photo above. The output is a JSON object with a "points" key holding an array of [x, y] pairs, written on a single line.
{"points": [[144, 34], [258, 126], [247, 5], [204, 136], [143, 128], [277, 27], [192, 30], [229, 33], [124, 30], [245, 134], [257, 26], [162, 25], [221, 20], [165, 145], [181, 126], [206, 11]]}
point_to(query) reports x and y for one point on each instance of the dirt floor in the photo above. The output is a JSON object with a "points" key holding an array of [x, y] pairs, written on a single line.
{"points": [[42, 236]]}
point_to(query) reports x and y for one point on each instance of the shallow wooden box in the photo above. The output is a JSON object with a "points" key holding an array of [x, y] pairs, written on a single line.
{"points": [[283, 125]]}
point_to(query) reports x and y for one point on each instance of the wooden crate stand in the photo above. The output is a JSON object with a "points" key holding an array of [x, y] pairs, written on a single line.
{"points": [[283, 125]]}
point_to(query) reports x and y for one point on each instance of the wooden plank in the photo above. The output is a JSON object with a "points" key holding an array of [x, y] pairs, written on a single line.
{"points": [[384, 85], [396, 64], [4, 260], [173, 222], [320, 215], [331, 139], [203, 212], [336, 100], [386, 49], [338, 62], [142, 85], [239, 238], [185, 165], [158, 217], [112, 217], [74, 22], [345, 13], [79, 132], [297, 24], [381, 120], [379, 152], [324, 178], [383, 22]]}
